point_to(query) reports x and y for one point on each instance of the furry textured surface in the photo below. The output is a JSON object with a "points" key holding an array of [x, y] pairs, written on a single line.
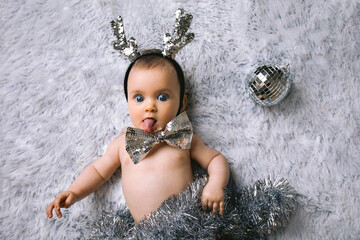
{"points": [[62, 102]]}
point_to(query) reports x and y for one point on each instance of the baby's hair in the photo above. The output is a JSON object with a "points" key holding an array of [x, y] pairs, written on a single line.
{"points": [[151, 59]]}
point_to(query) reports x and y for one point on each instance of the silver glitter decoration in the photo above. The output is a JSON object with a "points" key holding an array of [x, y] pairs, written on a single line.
{"points": [[178, 133], [252, 212], [269, 84], [128, 48], [172, 43], [270, 205], [175, 42]]}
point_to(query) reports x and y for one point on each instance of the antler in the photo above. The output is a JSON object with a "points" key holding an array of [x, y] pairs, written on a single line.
{"points": [[173, 44], [129, 49]]}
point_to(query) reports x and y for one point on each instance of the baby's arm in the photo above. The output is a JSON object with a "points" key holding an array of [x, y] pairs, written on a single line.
{"points": [[90, 179], [218, 169]]}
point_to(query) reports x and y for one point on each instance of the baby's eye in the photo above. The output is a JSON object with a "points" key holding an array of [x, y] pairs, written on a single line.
{"points": [[162, 97], [139, 98]]}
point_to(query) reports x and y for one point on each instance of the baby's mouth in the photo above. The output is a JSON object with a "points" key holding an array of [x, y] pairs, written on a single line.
{"points": [[149, 125]]}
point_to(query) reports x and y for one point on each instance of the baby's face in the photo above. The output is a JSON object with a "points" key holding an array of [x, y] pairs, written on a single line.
{"points": [[153, 97]]}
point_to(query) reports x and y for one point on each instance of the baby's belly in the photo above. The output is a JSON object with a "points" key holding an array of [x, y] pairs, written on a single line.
{"points": [[147, 184]]}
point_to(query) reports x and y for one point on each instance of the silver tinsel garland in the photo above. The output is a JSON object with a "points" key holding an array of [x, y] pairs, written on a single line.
{"points": [[250, 213]]}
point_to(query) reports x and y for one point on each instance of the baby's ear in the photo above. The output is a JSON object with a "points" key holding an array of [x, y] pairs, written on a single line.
{"points": [[184, 103]]}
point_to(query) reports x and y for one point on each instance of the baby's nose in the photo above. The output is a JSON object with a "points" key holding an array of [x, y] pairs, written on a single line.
{"points": [[150, 106]]}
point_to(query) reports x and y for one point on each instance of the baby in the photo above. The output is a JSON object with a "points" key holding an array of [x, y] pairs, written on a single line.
{"points": [[154, 88]]}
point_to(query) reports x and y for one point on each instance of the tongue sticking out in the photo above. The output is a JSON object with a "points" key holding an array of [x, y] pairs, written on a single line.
{"points": [[148, 124]]}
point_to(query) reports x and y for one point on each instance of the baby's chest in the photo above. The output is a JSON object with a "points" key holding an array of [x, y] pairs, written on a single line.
{"points": [[161, 155]]}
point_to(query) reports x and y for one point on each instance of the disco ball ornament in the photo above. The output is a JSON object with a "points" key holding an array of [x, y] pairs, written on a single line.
{"points": [[269, 84]]}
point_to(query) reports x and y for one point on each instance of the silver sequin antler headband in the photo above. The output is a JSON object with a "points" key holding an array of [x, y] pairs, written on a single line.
{"points": [[172, 43], [129, 49]]}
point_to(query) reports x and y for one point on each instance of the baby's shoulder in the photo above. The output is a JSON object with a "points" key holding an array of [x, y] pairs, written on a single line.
{"points": [[196, 141], [118, 142]]}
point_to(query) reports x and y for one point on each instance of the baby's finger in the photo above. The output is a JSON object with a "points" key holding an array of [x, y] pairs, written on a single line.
{"points": [[210, 204], [215, 208], [204, 203], [57, 201], [222, 208], [57, 205], [49, 210], [68, 201], [57, 211]]}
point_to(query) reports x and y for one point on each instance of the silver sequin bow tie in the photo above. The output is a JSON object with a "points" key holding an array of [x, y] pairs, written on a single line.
{"points": [[178, 133]]}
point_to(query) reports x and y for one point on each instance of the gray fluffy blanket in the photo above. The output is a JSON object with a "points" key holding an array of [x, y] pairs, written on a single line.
{"points": [[62, 102]]}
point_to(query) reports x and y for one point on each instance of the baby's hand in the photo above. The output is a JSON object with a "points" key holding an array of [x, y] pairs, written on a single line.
{"points": [[213, 198], [63, 200]]}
